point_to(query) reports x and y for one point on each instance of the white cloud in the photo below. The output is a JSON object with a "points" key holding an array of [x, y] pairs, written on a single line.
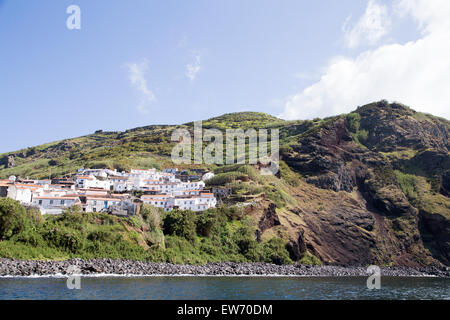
{"points": [[193, 68], [136, 74], [416, 73], [371, 26], [432, 15]]}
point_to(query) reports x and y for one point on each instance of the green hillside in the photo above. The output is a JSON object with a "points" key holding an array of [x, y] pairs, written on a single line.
{"points": [[371, 186]]}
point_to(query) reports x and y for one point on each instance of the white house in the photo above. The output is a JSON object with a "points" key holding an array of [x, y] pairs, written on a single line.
{"points": [[119, 184], [169, 187], [99, 204], [94, 172], [208, 199], [138, 173], [85, 182], [187, 192], [55, 204], [199, 185], [157, 200], [182, 203], [23, 192], [194, 203]]}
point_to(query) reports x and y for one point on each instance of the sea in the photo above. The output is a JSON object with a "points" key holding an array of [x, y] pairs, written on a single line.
{"points": [[221, 288]]}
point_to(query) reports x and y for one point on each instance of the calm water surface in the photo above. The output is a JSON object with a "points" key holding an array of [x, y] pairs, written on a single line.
{"points": [[224, 288]]}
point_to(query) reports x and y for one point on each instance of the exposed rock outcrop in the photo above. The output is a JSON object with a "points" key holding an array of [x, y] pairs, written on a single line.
{"points": [[266, 215], [435, 230], [8, 161], [391, 126], [383, 226]]}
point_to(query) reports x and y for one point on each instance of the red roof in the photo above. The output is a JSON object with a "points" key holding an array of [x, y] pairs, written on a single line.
{"points": [[84, 178]]}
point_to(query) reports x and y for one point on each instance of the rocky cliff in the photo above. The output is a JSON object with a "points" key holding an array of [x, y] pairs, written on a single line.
{"points": [[385, 168]]}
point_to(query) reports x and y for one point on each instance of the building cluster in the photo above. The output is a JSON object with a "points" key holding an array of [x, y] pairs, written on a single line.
{"points": [[104, 190]]}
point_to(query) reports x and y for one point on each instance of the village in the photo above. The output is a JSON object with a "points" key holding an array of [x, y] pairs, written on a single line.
{"points": [[114, 192]]}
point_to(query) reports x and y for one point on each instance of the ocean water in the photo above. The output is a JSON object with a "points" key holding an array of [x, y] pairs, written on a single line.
{"points": [[210, 288]]}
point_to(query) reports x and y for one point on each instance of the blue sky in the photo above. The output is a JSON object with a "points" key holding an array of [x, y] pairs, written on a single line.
{"points": [[135, 63]]}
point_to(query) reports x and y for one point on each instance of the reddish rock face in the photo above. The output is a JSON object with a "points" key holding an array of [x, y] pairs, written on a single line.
{"points": [[435, 230], [268, 220], [385, 227]]}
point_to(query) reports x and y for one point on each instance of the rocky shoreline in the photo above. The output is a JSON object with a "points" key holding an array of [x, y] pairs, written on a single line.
{"points": [[105, 267]]}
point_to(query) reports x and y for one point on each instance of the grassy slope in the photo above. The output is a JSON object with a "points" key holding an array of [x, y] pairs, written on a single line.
{"points": [[143, 147], [150, 147]]}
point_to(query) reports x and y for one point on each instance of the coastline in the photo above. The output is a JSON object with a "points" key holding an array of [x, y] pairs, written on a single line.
{"points": [[126, 268]]}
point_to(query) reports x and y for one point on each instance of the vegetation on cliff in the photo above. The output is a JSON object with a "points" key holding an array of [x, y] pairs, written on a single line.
{"points": [[220, 234], [367, 187]]}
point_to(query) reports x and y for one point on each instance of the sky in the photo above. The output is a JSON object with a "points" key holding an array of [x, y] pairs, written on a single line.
{"points": [[142, 62]]}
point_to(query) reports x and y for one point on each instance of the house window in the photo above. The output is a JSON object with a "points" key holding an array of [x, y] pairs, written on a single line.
{"points": [[40, 202], [62, 202], [51, 201], [94, 209]]}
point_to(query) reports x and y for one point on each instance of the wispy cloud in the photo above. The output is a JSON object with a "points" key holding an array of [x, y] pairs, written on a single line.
{"points": [[194, 67], [371, 26], [136, 75]]}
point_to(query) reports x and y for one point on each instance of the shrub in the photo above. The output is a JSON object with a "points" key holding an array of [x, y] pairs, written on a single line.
{"points": [[152, 216], [73, 217], [13, 218], [407, 182], [232, 213], [224, 178], [208, 222], [274, 251], [31, 237], [244, 238], [35, 216], [180, 223], [310, 259], [63, 238], [155, 238], [362, 136], [353, 121], [100, 235]]}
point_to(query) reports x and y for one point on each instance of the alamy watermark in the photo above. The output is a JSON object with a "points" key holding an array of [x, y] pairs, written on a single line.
{"points": [[235, 151], [374, 281], [74, 278], [74, 20]]}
